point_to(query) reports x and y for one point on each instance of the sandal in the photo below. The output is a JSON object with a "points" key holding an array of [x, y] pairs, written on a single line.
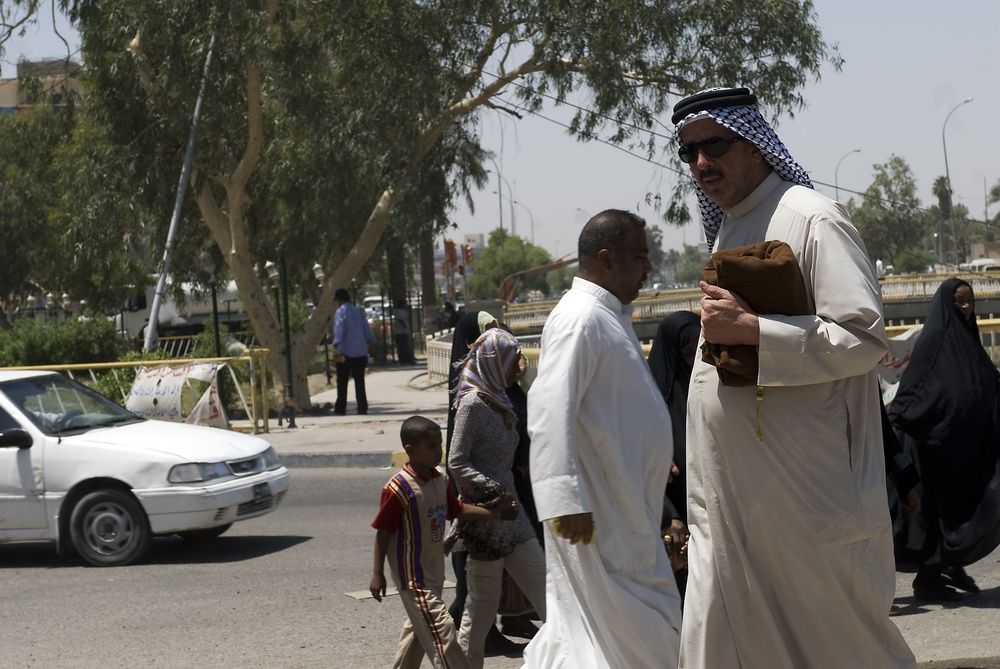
{"points": [[956, 576]]}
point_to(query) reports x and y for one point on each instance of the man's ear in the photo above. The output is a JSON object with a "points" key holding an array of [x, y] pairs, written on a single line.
{"points": [[606, 260]]}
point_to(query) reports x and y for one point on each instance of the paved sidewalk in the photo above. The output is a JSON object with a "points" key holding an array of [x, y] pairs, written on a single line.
{"points": [[394, 394]]}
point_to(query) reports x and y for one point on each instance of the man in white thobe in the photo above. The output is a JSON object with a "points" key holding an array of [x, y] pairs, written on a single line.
{"points": [[790, 559], [601, 451]]}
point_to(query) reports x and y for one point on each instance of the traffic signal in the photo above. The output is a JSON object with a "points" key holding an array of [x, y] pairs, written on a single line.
{"points": [[467, 253], [450, 253]]}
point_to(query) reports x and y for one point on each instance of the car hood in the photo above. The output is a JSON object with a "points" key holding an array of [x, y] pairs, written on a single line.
{"points": [[190, 443]]}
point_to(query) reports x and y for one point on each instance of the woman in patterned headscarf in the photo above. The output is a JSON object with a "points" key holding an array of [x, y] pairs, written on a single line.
{"points": [[482, 453]]}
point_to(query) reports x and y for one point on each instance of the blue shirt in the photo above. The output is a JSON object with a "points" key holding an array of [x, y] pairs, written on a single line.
{"points": [[351, 334]]}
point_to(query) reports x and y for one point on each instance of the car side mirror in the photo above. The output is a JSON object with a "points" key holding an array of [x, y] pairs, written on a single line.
{"points": [[15, 437]]}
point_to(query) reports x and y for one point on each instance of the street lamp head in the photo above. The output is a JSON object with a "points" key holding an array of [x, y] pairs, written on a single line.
{"points": [[272, 270], [207, 263]]}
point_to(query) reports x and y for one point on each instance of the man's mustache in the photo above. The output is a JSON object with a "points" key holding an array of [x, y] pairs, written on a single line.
{"points": [[710, 172]]}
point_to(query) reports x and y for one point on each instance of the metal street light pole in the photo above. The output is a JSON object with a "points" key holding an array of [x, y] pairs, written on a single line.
{"points": [[500, 182], [531, 217], [836, 181], [289, 385], [947, 175], [209, 265]]}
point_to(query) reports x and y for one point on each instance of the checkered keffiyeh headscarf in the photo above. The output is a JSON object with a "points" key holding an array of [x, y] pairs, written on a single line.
{"points": [[734, 108], [484, 371]]}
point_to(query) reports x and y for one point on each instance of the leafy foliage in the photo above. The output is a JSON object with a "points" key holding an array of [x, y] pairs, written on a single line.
{"points": [[33, 342], [912, 260], [890, 218], [28, 145], [505, 254], [323, 123], [691, 261]]}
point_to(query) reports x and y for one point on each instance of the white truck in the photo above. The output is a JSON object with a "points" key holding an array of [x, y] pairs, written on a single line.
{"points": [[180, 318]]}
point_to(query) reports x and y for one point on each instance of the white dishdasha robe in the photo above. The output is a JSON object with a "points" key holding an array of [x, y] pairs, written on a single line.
{"points": [[790, 557], [601, 443]]}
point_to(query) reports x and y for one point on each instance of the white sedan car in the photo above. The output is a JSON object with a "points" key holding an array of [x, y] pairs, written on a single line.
{"points": [[78, 469]]}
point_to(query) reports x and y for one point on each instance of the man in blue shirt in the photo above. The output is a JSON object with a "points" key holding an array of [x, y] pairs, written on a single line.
{"points": [[351, 338]]}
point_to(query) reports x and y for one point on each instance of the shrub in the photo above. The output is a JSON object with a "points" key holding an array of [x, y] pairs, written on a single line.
{"points": [[32, 342]]}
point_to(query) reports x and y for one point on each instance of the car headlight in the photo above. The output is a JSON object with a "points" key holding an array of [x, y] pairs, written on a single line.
{"points": [[270, 458], [195, 472]]}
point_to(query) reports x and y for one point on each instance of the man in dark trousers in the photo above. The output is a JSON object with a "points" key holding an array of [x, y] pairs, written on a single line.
{"points": [[351, 338]]}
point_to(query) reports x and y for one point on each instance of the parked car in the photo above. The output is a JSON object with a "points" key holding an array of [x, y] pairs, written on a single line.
{"points": [[80, 470]]}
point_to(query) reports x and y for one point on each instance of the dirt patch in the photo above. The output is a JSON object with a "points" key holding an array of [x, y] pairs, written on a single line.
{"points": [[317, 383]]}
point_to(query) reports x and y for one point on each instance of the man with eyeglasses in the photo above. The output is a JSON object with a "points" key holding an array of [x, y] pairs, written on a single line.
{"points": [[790, 557]]}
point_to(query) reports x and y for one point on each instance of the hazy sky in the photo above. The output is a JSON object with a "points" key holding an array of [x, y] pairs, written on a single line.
{"points": [[908, 64]]}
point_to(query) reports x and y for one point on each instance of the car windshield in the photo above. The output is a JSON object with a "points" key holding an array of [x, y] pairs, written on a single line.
{"points": [[58, 405]]}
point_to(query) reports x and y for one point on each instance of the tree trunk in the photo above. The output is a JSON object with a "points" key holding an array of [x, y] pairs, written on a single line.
{"points": [[395, 259], [428, 286]]}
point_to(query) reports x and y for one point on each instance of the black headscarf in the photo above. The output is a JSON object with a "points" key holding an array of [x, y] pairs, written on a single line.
{"points": [[946, 392], [671, 371], [945, 410], [465, 335]]}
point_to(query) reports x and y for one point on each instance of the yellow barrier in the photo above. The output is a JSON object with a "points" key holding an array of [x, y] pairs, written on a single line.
{"points": [[256, 358]]}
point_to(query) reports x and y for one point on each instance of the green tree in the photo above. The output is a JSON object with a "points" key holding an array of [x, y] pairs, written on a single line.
{"points": [[672, 261], [657, 257], [504, 255], [954, 231], [28, 145], [320, 117], [692, 259], [913, 259], [561, 280], [890, 218]]}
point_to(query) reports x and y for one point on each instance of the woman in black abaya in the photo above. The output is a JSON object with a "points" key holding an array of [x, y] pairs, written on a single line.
{"points": [[671, 358], [945, 410]]}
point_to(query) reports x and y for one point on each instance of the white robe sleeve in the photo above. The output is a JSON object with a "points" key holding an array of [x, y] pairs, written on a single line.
{"points": [[846, 337]]}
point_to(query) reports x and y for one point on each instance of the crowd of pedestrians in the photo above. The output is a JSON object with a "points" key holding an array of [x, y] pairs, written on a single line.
{"points": [[724, 504]]}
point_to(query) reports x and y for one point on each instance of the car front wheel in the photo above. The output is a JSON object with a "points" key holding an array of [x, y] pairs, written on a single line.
{"points": [[109, 528]]}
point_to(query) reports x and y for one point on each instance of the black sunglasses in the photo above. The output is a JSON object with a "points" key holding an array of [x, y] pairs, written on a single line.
{"points": [[713, 148]]}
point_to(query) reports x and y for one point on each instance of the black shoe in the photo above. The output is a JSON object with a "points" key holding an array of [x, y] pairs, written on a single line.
{"points": [[931, 587], [956, 577], [519, 626], [499, 645], [340, 412]]}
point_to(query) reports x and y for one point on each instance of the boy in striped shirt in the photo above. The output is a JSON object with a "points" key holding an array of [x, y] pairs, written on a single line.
{"points": [[410, 525]]}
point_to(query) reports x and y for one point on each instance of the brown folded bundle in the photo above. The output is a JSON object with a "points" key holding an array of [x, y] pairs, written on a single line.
{"points": [[767, 276]]}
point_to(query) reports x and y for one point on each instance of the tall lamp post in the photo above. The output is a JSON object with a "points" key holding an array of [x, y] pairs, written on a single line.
{"points": [[209, 265], [836, 181], [531, 217], [500, 182], [278, 275], [947, 175], [320, 276]]}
